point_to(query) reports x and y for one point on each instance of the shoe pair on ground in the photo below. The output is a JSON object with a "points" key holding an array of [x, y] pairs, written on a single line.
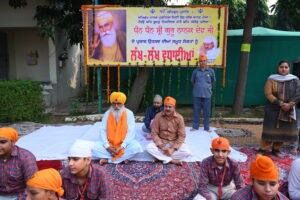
{"points": [[277, 153], [193, 129]]}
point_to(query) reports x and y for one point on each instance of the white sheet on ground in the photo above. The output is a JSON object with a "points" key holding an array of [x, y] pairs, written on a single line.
{"points": [[53, 142]]}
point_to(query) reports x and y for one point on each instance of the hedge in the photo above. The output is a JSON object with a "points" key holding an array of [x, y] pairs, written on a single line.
{"points": [[21, 101]]}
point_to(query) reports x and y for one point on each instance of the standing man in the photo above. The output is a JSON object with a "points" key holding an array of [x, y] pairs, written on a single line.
{"points": [[202, 79], [117, 133], [151, 112], [17, 165], [109, 44], [168, 133]]}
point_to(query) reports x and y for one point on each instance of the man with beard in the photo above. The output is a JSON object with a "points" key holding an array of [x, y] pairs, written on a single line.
{"points": [[209, 48], [109, 44], [218, 172], [150, 114], [117, 133], [168, 133]]}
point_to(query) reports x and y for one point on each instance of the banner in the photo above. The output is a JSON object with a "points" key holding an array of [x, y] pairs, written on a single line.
{"points": [[155, 36]]}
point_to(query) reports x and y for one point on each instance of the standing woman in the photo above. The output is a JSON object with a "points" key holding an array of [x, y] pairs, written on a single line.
{"points": [[45, 185], [283, 92]]}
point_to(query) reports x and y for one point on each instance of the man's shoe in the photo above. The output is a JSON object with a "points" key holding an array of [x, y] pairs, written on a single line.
{"points": [[193, 129]]}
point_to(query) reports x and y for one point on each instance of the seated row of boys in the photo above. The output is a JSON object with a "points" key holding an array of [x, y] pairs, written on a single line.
{"points": [[219, 176], [82, 179]]}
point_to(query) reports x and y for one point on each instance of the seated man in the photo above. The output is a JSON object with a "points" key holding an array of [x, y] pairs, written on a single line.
{"points": [[168, 133], [17, 165], [151, 112], [117, 133], [264, 174], [294, 180], [83, 180], [218, 171]]}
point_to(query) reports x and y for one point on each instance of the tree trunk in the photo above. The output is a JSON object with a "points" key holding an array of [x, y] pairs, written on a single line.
{"points": [[244, 58], [139, 84], [138, 88]]}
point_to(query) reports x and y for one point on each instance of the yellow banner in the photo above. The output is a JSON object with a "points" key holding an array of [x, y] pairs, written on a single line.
{"points": [[155, 36], [246, 47]]}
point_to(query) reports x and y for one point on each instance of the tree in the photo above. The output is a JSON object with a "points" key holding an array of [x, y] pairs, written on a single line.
{"points": [[66, 15], [287, 15], [244, 58], [237, 12]]}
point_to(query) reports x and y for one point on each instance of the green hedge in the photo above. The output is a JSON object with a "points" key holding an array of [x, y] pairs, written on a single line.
{"points": [[21, 101]]}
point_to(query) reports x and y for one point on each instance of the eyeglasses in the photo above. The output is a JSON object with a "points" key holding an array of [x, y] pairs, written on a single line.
{"points": [[117, 103], [220, 150]]}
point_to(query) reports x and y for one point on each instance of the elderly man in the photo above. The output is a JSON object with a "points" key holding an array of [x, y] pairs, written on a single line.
{"points": [[168, 133], [109, 44], [17, 165], [83, 180], [117, 133], [210, 48], [202, 79], [151, 113]]}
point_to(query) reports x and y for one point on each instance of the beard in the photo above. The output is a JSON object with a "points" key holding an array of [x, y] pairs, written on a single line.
{"points": [[108, 38], [117, 112]]}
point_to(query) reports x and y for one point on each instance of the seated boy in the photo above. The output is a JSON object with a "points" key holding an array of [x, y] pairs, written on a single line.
{"points": [[17, 165], [83, 180], [264, 175], [218, 171]]}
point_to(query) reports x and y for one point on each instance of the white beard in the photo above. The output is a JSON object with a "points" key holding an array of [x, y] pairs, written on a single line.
{"points": [[117, 112], [108, 38]]}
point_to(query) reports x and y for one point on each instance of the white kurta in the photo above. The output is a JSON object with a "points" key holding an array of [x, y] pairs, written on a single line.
{"points": [[130, 145], [294, 180]]}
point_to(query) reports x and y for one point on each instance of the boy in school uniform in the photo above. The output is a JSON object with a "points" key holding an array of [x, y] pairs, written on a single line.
{"points": [[265, 183], [218, 172]]}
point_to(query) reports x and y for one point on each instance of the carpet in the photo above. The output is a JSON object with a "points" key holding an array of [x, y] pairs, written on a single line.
{"points": [[147, 180]]}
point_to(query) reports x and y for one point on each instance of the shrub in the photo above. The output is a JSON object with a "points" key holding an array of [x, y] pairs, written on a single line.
{"points": [[21, 101]]}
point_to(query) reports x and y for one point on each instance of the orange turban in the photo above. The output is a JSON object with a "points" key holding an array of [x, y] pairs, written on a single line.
{"points": [[220, 143], [118, 96], [263, 168], [48, 179], [170, 100], [9, 133], [202, 57]]}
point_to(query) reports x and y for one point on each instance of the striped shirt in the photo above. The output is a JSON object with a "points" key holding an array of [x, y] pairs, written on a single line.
{"points": [[211, 174], [15, 171], [97, 185], [248, 193]]}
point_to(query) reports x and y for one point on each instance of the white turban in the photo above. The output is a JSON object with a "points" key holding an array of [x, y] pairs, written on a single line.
{"points": [[81, 148], [103, 16], [157, 98], [210, 39]]}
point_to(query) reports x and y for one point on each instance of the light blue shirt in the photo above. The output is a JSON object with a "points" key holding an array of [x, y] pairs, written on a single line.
{"points": [[130, 136], [203, 81]]}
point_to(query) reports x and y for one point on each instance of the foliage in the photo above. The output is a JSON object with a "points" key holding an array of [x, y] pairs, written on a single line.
{"points": [[66, 15], [237, 12], [21, 101], [287, 15]]}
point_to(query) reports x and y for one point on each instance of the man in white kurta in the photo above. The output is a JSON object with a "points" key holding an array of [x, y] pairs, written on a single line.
{"points": [[117, 133], [294, 180]]}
